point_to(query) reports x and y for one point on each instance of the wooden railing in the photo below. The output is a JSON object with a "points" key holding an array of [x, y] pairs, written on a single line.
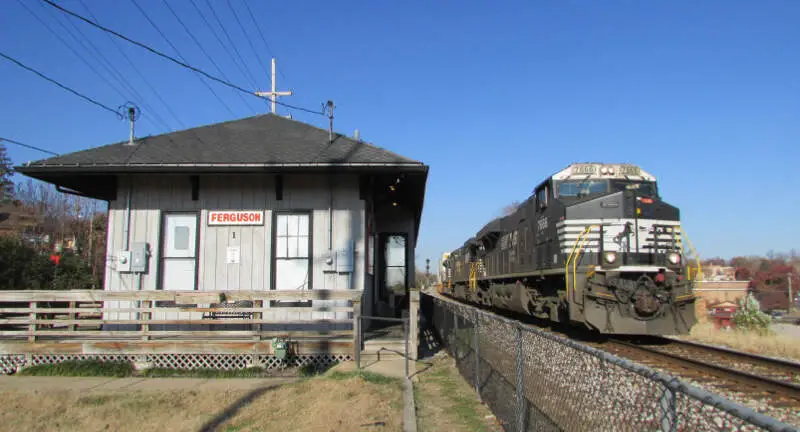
{"points": [[150, 315]]}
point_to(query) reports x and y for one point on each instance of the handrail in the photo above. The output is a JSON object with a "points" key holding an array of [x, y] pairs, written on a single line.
{"points": [[575, 262], [569, 259], [696, 256], [473, 276]]}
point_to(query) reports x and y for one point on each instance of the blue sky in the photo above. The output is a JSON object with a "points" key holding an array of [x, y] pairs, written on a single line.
{"points": [[494, 96]]}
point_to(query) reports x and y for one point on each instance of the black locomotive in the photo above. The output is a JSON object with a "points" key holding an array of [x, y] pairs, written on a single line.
{"points": [[594, 245]]}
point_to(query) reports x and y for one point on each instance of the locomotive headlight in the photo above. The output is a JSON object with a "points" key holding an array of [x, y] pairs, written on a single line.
{"points": [[674, 258], [610, 257]]}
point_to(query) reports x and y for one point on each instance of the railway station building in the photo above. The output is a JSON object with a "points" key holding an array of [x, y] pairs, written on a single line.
{"points": [[255, 204]]}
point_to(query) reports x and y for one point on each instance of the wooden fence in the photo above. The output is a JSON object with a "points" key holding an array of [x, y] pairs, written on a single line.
{"points": [[150, 315]]}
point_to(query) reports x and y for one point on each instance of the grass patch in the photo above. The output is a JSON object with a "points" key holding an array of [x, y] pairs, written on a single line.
{"points": [[768, 343], [81, 368], [367, 376], [445, 401], [251, 372]]}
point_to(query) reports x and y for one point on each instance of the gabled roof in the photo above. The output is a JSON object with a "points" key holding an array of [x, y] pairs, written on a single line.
{"points": [[260, 141]]}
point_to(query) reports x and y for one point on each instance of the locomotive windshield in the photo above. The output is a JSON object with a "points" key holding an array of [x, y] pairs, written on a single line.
{"points": [[641, 188], [582, 188], [585, 187]]}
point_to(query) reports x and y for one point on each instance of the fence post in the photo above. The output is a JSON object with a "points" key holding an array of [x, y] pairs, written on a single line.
{"points": [[406, 325], [520, 382], [667, 405], [477, 356], [32, 320], [357, 332]]}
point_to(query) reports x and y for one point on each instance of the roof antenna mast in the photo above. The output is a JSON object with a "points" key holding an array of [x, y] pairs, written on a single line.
{"points": [[133, 113], [329, 109]]}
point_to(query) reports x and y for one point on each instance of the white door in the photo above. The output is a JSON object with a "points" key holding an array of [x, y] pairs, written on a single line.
{"points": [[292, 254], [178, 262]]}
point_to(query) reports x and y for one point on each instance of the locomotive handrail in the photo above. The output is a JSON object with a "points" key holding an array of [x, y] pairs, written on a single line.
{"points": [[575, 261], [696, 256], [569, 259]]}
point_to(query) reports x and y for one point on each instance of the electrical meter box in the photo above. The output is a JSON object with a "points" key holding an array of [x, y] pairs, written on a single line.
{"points": [[123, 261], [139, 256], [344, 259]]}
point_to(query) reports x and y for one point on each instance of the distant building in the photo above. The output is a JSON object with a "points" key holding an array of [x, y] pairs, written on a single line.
{"points": [[712, 293], [719, 273]]}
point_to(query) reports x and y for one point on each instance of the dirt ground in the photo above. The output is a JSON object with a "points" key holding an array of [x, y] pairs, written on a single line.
{"points": [[445, 401], [317, 404]]}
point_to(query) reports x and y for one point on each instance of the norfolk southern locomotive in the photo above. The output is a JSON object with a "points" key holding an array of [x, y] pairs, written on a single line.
{"points": [[594, 245]]}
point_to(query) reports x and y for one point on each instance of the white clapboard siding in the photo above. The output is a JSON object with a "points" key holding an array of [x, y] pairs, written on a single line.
{"points": [[153, 195]]}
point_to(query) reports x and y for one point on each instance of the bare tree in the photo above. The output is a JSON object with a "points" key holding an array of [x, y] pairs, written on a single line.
{"points": [[511, 208]]}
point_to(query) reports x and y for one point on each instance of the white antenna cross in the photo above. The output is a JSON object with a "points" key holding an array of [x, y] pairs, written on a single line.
{"points": [[273, 95]]}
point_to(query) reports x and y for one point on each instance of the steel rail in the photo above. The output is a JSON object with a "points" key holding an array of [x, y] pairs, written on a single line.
{"points": [[790, 390]]}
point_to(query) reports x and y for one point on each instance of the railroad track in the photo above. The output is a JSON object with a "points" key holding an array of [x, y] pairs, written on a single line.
{"points": [[772, 381]]}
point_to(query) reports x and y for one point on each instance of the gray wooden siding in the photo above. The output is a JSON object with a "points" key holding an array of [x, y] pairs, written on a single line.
{"points": [[153, 195]]}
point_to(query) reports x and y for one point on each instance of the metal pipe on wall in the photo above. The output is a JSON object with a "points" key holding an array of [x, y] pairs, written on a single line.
{"points": [[126, 234]]}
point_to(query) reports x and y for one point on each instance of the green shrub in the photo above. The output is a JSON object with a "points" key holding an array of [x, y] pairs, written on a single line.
{"points": [[749, 316]]}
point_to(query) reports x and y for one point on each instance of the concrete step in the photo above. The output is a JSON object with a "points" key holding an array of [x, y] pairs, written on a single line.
{"points": [[375, 345], [381, 356]]}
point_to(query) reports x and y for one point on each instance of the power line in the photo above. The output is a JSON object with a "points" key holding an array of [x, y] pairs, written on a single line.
{"points": [[176, 61], [249, 41], [138, 72], [222, 44], [87, 98], [233, 45], [27, 146], [168, 42], [108, 68], [263, 39], [199, 45], [77, 54]]}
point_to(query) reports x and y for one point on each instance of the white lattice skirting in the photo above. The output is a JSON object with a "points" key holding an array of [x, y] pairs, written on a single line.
{"points": [[10, 363]]}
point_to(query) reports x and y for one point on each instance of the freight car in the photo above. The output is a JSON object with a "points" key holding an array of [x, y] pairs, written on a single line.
{"points": [[594, 245]]}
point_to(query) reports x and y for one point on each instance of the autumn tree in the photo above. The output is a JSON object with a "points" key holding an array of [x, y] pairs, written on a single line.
{"points": [[770, 286], [6, 170]]}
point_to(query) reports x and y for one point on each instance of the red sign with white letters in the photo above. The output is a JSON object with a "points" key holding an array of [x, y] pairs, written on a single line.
{"points": [[235, 217]]}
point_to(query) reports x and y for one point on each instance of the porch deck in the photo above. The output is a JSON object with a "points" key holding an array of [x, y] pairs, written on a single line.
{"points": [[173, 328]]}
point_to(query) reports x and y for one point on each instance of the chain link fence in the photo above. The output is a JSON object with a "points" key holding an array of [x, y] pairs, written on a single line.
{"points": [[537, 381]]}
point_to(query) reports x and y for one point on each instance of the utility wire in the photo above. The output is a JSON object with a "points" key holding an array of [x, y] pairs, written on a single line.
{"points": [[233, 45], [199, 45], [176, 61], [109, 67], [263, 39], [168, 42], [18, 63], [136, 69], [27, 146], [86, 62], [249, 41]]}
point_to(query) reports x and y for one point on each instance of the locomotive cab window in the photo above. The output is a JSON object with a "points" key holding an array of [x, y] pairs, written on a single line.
{"points": [[641, 188], [582, 188], [541, 197]]}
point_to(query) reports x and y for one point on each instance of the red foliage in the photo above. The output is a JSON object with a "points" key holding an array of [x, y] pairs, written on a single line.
{"points": [[742, 273], [771, 285]]}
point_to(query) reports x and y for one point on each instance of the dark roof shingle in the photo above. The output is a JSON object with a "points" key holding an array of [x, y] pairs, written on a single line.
{"points": [[260, 140]]}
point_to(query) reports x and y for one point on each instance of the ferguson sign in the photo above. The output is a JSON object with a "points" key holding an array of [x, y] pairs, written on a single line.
{"points": [[231, 217]]}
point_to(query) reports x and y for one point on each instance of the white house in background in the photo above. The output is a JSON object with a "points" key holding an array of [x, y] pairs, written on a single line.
{"points": [[261, 203]]}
